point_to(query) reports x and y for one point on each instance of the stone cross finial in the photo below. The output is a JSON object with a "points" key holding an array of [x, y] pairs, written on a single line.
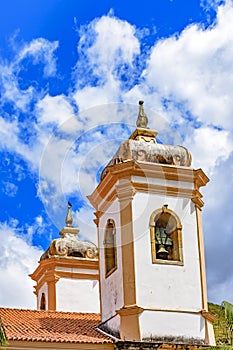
{"points": [[142, 120], [69, 217]]}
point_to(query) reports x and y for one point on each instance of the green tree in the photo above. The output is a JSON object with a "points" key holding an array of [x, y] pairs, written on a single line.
{"points": [[228, 308], [3, 338]]}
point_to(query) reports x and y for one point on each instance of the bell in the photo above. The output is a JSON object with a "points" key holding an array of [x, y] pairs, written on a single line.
{"points": [[162, 250]]}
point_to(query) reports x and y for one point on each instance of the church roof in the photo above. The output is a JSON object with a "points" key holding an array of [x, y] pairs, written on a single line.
{"points": [[52, 326]]}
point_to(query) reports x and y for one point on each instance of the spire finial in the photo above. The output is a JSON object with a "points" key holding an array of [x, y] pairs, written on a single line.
{"points": [[69, 217], [142, 120]]}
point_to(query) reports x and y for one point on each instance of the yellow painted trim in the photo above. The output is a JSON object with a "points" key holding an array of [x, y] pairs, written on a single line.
{"points": [[167, 190], [201, 259], [51, 282], [167, 262], [129, 324], [208, 316], [98, 196], [130, 328], [135, 309], [129, 310], [68, 262], [149, 170], [125, 193], [157, 213], [98, 214], [153, 244], [180, 311], [108, 201], [76, 275]]}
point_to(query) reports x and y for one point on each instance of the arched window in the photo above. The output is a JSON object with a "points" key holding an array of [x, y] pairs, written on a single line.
{"points": [[42, 302], [110, 248], [166, 236]]}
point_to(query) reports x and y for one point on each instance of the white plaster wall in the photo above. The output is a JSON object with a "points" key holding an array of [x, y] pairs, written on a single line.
{"points": [[163, 182], [172, 324], [77, 295], [111, 287], [166, 286], [43, 289]]}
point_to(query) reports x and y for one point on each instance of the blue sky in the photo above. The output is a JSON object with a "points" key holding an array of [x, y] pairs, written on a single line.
{"points": [[71, 75]]}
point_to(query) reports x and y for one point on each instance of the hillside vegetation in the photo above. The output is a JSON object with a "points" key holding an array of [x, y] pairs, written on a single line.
{"points": [[223, 335]]}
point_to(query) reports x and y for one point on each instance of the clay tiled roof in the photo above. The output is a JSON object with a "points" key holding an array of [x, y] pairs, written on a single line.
{"points": [[52, 326]]}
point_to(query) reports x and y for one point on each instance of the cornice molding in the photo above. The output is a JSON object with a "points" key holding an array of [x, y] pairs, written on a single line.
{"points": [[121, 172], [50, 264]]}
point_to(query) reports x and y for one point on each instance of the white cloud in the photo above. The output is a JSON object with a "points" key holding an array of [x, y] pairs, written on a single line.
{"points": [[107, 48], [55, 110], [209, 146], [17, 260], [11, 91], [115, 44], [195, 69], [108, 42], [8, 133], [41, 51], [93, 96]]}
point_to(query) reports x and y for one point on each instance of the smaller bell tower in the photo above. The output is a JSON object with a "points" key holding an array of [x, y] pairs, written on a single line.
{"points": [[67, 278], [152, 267]]}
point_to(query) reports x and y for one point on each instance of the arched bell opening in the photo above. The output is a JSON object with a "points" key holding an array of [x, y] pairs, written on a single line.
{"points": [[166, 235]]}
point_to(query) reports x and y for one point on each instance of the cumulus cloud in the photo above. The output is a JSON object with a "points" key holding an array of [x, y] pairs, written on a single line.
{"points": [[209, 147], [107, 54], [55, 110], [193, 69], [107, 51], [17, 260]]}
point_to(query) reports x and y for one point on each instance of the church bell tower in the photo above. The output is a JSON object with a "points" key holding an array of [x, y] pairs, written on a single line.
{"points": [[151, 254], [67, 277]]}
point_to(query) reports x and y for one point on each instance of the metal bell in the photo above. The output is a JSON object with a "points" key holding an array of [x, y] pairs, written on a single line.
{"points": [[162, 250]]}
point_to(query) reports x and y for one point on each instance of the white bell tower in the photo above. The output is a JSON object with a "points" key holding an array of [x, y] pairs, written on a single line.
{"points": [[67, 277], [152, 269]]}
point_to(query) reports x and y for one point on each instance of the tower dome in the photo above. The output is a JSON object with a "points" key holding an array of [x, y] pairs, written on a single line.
{"points": [[69, 244], [143, 147]]}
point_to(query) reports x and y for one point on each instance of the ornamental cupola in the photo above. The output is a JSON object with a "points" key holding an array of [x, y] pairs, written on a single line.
{"points": [[142, 146], [69, 245]]}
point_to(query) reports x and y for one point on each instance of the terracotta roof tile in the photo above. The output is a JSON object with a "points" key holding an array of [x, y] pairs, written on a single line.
{"points": [[52, 326]]}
